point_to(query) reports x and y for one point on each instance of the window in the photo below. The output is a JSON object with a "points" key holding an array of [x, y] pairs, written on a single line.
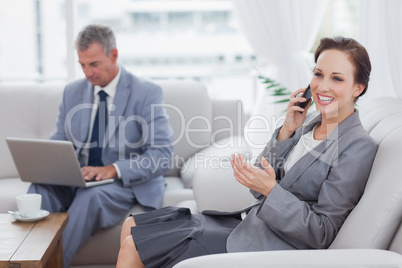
{"points": [[157, 39], [29, 34], [180, 20], [341, 18], [146, 21]]}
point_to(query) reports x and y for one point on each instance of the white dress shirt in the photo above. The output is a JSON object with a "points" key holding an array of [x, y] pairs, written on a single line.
{"points": [[304, 145]]}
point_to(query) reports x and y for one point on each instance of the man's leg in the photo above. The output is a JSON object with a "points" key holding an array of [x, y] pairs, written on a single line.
{"points": [[54, 198], [93, 209]]}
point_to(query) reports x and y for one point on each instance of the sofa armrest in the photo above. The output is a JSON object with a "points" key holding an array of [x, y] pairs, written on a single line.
{"points": [[299, 258]]}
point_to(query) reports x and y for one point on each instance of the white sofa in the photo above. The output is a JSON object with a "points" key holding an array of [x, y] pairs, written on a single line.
{"points": [[371, 235], [30, 110]]}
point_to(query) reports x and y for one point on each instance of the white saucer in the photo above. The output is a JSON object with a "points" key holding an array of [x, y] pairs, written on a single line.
{"points": [[41, 214]]}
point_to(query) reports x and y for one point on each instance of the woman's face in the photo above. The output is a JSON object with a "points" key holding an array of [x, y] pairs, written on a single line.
{"points": [[333, 87]]}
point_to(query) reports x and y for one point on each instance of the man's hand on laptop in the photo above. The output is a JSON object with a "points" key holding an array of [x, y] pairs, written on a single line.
{"points": [[99, 173]]}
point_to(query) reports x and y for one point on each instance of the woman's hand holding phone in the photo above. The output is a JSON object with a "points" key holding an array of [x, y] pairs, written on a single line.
{"points": [[307, 95], [295, 113]]}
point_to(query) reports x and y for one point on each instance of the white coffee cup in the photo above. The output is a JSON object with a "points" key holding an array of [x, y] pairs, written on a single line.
{"points": [[29, 204]]}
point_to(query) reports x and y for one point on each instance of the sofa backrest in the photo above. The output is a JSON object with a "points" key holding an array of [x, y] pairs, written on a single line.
{"points": [[374, 111], [30, 110], [27, 111], [376, 218], [190, 115]]}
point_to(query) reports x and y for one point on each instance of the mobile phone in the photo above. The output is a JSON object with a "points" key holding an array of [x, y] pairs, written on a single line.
{"points": [[307, 95]]}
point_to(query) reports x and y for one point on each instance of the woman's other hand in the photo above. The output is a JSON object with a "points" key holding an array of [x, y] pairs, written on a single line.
{"points": [[261, 181], [295, 115]]}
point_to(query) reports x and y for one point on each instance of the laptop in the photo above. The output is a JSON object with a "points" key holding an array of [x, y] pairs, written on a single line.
{"points": [[48, 162]]}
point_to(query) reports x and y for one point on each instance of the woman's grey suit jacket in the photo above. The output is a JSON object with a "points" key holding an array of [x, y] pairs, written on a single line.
{"points": [[312, 200]]}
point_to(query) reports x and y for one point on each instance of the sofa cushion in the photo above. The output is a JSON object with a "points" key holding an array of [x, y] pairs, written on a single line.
{"points": [[175, 192], [215, 187], [215, 156]]}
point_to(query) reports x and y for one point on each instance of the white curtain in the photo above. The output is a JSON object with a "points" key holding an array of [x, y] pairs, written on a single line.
{"points": [[282, 32], [393, 29], [381, 34]]}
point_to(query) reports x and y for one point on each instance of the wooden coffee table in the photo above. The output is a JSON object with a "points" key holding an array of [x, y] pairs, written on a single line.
{"points": [[32, 244]]}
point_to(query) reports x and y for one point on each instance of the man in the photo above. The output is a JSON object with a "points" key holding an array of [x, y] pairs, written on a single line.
{"points": [[129, 141]]}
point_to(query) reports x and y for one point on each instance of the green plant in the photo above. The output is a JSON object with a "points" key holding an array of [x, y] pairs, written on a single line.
{"points": [[277, 90]]}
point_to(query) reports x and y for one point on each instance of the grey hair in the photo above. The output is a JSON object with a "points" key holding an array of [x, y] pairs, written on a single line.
{"points": [[98, 33]]}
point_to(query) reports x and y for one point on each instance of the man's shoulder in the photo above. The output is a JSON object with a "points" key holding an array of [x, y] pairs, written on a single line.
{"points": [[138, 83], [78, 84]]}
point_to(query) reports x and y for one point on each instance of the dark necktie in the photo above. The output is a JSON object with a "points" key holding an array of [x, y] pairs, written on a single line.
{"points": [[98, 132]]}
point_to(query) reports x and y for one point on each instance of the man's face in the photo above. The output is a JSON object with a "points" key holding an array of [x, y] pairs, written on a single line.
{"points": [[98, 68]]}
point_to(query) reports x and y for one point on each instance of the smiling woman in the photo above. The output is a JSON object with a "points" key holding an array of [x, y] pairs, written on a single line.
{"points": [[303, 193], [341, 76]]}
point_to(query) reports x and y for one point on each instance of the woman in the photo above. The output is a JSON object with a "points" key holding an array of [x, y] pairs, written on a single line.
{"points": [[309, 177]]}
